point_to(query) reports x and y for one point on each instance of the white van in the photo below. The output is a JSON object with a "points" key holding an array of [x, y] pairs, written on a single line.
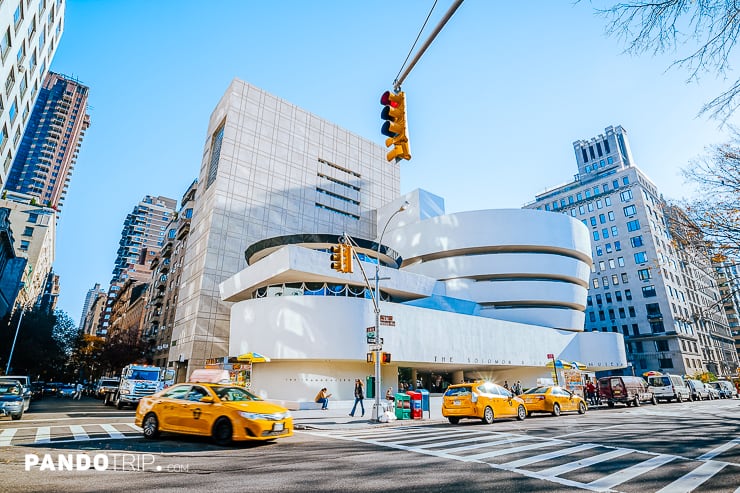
{"points": [[669, 387]]}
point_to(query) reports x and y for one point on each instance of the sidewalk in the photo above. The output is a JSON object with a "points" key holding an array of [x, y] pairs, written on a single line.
{"points": [[337, 416]]}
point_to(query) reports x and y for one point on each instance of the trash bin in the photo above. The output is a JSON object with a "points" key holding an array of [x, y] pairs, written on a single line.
{"points": [[415, 404], [403, 406], [425, 401], [370, 387]]}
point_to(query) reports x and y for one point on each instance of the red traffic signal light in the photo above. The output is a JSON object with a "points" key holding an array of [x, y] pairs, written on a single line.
{"points": [[385, 358], [395, 128]]}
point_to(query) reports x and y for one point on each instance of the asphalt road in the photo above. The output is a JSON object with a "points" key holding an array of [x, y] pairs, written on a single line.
{"points": [[665, 448]]}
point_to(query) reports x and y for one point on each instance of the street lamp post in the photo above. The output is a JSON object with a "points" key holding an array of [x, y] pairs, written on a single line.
{"points": [[378, 347], [15, 338]]}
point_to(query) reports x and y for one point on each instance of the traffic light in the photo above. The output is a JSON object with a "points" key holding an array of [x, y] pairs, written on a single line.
{"points": [[371, 357], [347, 259], [385, 358], [337, 258], [395, 128], [341, 258]]}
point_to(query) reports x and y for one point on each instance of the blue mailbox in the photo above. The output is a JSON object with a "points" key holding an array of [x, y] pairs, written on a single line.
{"points": [[425, 401]]}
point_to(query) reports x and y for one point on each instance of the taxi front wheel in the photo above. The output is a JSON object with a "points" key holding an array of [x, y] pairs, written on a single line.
{"points": [[556, 409], [222, 431], [150, 426], [521, 413]]}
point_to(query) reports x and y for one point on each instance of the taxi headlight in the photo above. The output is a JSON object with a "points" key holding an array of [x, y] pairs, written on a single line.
{"points": [[265, 416]]}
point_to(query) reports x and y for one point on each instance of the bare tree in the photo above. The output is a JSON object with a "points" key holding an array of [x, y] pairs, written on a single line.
{"points": [[707, 29], [714, 216]]}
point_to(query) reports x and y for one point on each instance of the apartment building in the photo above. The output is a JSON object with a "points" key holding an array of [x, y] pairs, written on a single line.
{"points": [[43, 165], [30, 31], [642, 285]]}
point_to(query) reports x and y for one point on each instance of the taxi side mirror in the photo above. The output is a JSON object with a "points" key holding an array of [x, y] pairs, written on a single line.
{"points": [[207, 399]]}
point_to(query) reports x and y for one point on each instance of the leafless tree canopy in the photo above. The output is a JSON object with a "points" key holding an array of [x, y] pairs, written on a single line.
{"points": [[717, 210], [707, 29]]}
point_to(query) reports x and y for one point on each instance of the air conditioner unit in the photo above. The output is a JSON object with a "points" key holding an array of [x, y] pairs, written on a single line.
{"points": [[21, 68]]}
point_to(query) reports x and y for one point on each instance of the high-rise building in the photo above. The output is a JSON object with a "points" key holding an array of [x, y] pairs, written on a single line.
{"points": [[269, 168], [142, 236], [43, 164], [642, 285], [29, 36], [90, 297], [164, 286]]}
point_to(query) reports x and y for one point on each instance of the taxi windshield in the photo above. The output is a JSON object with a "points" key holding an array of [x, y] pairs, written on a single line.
{"points": [[234, 394]]}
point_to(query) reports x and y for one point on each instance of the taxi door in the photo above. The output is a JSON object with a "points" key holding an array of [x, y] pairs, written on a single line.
{"points": [[505, 405], [198, 417], [168, 408]]}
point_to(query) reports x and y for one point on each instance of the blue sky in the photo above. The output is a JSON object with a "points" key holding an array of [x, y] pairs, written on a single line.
{"points": [[493, 106]]}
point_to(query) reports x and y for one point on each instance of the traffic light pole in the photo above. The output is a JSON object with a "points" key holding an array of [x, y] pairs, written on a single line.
{"points": [[397, 83]]}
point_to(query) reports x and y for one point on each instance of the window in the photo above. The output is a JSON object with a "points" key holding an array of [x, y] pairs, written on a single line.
{"points": [[630, 210], [631, 310], [640, 257], [24, 245], [620, 261], [661, 345], [625, 279], [615, 183], [216, 141], [648, 291], [610, 215], [596, 235], [28, 231], [188, 213], [602, 218], [643, 274], [608, 247], [626, 196], [615, 231], [636, 241], [617, 246], [626, 180], [612, 265], [590, 206], [18, 15], [579, 197], [615, 279], [605, 233], [592, 220], [5, 44], [605, 281], [598, 299], [599, 251], [666, 362], [618, 295], [581, 209], [599, 204], [622, 313], [607, 201], [602, 265], [595, 282], [633, 225], [608, 297]]}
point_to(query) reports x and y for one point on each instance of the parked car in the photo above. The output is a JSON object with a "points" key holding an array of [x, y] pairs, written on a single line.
{"points": [[699, 390], [11, 399], [552, 399], [224, 412], [713, 391], [726, 389], [669, 387], [625, 389], [25, 382], [481, 400]]}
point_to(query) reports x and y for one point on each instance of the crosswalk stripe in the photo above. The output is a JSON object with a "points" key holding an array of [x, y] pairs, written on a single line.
{"points": [[6, 436], [487, 444], [79, 432], [693, 479], [619, 477], [506, 451], [431, 436], [114, 433], [572, 466], [722, 448], [550, 455], [446, 443], [43, 434], [133, 426]]}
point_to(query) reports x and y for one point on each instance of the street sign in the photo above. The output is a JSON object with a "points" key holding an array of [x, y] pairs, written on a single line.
{"points": [[370, 334], [550, 356]]}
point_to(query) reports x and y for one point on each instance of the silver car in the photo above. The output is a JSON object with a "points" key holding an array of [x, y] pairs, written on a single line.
{"points": [[699, 391]]}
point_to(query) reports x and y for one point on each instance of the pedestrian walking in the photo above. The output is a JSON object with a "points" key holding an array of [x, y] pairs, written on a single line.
{"points": [[359, 396], [78, 392], [517, 388], [591, 393]]}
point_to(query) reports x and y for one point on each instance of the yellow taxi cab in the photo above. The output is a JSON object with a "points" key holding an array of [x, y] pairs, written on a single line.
{"points": [[552, 399], [225, 412], [482, 400]]}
